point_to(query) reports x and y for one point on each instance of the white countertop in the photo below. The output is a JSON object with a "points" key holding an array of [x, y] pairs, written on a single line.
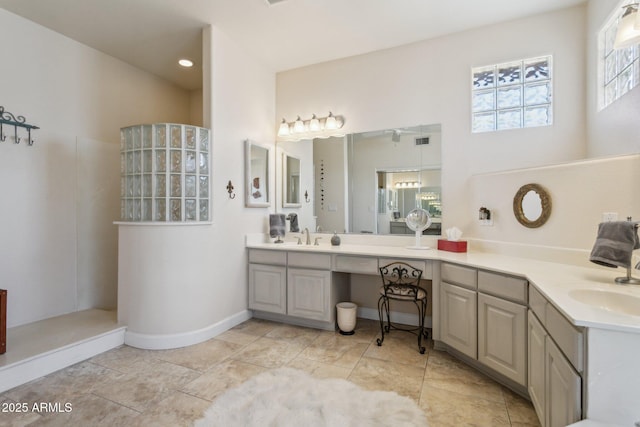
{"points": [[553, 280]]}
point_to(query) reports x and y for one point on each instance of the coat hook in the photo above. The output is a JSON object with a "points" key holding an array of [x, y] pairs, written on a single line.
{"points": [[17, 138], [306, 196], [3, 137], [230, 190]]}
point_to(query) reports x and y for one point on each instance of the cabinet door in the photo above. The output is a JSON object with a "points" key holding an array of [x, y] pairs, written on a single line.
{"points": [[458, 318], [536, 373], [502, 337], [563, 389], [309, 294], [268, 288]]}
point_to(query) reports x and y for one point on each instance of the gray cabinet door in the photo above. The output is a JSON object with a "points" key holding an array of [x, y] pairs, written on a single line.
{"points": [[268, 288], [309, 294], [458, 318], [563, 389], [502, 337], [536, 371]]}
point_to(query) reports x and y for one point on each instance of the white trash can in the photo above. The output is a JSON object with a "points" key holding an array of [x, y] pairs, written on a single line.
{"points": [[347, 312]]}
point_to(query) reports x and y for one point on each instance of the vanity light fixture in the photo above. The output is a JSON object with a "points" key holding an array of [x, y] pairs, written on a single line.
{"points": [[186, 63], [408, 184], [629, 28], [315, 127], [298, 126], [283, 130], [331, 122], [314, 124]]}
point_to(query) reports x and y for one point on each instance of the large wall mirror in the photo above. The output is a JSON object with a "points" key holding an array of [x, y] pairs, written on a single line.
{"points": [[367, 182], [256, 175]]}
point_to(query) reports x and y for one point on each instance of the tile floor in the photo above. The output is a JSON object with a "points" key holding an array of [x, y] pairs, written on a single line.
{"points": [[132, 387]]}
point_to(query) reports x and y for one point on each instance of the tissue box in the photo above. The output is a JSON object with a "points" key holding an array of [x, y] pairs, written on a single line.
{"points": [[451, 246]]}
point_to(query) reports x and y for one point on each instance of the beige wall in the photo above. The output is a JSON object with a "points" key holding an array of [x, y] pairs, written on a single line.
{"points": [[60, 196], [429, 82]]}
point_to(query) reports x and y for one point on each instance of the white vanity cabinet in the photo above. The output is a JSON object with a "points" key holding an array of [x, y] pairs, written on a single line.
{"points": [[458, 308], [483, 315], [556, 360], [295, 287], [268, 281]]}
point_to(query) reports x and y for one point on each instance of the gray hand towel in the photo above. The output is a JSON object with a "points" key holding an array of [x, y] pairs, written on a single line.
{"points": [[277, 225], [293, 223], [615, 242]]}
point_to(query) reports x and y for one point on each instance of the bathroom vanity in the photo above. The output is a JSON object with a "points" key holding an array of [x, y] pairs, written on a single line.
{"points": [[557, 333]]}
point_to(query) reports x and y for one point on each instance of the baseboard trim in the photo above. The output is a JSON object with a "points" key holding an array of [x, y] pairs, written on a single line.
{"points": [[43, 364], [168, 341]]}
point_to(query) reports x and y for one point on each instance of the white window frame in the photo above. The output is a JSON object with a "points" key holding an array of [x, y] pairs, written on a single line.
{"points": [[522, 85]]}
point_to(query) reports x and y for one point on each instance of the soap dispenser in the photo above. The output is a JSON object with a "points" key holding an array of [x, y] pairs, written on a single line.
{"points": [[335, 240]]}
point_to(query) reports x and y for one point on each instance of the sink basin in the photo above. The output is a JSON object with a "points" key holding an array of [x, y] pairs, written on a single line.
{"points": [[608, 300]]}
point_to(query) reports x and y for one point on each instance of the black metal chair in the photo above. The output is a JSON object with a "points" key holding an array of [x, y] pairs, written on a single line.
{"points": [[401, 282]]}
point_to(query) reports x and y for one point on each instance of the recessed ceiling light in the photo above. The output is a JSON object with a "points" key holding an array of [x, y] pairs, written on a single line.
{"points": [[186, 63]]}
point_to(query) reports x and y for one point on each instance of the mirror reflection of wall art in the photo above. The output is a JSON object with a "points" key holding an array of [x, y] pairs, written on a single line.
{"points": [[257, 175], [532, 205]]}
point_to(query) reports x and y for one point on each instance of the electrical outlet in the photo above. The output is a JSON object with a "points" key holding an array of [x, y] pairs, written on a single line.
{"points": [[609, 216]]}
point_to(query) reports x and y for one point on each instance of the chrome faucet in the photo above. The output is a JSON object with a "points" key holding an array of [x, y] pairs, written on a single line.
{"points": [[306, 230]]}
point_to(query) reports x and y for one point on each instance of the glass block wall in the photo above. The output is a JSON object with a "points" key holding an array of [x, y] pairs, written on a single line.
{"points": [[620, 67], [164, 173]]}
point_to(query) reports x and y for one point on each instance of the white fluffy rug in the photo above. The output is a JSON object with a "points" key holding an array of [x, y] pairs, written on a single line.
{"points": [[288, 397]]}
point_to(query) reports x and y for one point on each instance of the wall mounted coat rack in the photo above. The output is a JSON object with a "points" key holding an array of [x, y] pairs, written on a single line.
{"points": [[7, 118]]}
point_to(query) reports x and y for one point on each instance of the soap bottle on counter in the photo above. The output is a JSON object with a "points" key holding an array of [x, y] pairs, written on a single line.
{"points": [[335, 240]]}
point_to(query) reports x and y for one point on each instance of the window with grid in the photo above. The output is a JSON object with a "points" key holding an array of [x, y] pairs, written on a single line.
{"points": [[620, 68], [512, 95]]}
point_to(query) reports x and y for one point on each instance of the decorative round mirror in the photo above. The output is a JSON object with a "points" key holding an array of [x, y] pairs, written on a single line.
{"points": [[532, 205]]}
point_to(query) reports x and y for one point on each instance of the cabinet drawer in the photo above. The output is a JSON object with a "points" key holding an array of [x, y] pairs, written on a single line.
{"points": [[569, 338], [508, 287], [264, 256], [425, 266], [464, 276], [356, 264], [317, 261]]}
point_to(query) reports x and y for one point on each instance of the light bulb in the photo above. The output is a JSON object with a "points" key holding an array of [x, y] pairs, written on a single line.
{"points": [[331, 122], [284, 128], [627, 35], [314, 124], [298, 125]]}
